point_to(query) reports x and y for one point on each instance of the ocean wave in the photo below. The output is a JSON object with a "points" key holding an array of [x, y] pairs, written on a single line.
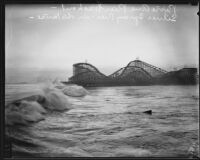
{"points": [[75, 91], [132, 152], [33, 108], [71, 90], [24, 113]]}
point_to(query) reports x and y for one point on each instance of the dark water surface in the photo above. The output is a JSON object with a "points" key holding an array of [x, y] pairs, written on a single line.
{"points": [[109, 121]]}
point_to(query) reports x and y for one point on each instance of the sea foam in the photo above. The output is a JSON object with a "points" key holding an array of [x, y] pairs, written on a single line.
{"points": [[24, 112], [33, 108], [56, 100], [75, 91]]}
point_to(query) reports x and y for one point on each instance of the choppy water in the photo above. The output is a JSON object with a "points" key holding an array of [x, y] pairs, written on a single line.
{"points": [[110, 122]]}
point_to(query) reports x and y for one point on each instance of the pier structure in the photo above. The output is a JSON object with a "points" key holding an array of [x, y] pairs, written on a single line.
{"points": [[183, 76], [136, 72]]}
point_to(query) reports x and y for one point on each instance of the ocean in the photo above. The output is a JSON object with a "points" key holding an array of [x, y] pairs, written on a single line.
{"points": [[106, 122]]}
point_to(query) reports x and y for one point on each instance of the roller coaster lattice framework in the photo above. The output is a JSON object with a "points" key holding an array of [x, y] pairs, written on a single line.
{"points": [[135, 73]]}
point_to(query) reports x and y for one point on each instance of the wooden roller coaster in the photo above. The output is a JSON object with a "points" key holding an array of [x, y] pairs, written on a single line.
{"points": [[135, 73]]}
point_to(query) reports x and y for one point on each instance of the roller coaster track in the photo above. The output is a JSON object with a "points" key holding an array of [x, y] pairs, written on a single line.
{"points": [[150, 69], [85, 67], [135, 72]]}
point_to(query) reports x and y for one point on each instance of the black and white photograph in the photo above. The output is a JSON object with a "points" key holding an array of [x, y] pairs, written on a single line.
{"points": [[101, 80]]}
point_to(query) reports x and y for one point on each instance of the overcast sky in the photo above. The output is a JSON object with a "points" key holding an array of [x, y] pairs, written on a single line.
{"points": [[38, 45]]}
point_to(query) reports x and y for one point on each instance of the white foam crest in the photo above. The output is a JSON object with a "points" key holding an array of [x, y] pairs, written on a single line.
{"points": [[55, 98], [59, 84], [75, 91], [133, 152], [31, 106], [27, 111]]}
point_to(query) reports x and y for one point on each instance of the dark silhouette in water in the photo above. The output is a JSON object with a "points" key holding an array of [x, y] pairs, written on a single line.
{"points": [[148, 112]]}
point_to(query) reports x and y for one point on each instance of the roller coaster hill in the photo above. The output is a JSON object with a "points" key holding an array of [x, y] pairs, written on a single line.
{"points": [[136, 72]]}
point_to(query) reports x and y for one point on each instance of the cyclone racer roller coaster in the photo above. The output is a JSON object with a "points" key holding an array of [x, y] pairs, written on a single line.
{"points": [[135, 73]]}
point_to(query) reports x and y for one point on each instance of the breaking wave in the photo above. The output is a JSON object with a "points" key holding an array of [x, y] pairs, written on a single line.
{"points": [[52, 97]]}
